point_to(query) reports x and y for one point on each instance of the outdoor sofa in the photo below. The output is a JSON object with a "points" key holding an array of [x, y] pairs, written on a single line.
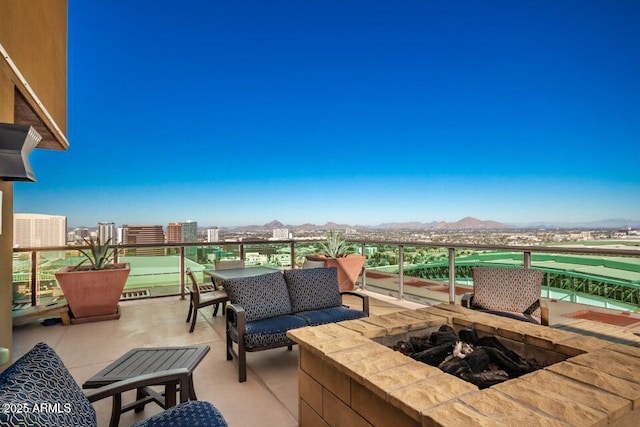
{"points": [[263, 308]]}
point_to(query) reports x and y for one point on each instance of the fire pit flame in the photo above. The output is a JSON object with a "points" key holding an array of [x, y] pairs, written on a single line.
{"points": [[481, 361]]}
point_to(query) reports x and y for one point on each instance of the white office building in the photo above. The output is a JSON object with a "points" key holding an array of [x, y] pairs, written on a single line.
{"points": [[280, 234], [213, 235], [106, 231]]}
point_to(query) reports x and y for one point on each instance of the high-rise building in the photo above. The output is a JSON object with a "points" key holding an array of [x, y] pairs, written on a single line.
{"points": [[37, 230], [174, 232], [213, 235], [143, 234], [190, 231], [106, 231], [182, 232], [120, 233]]}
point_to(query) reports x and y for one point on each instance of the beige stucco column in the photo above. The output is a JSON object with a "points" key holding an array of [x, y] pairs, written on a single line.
{"points": [[7, 90]]}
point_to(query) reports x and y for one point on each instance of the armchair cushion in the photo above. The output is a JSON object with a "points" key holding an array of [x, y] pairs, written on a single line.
{"points": [[188, 414], [530, 318], [39, 378], [313, 288], [261, 296], [507, 289]]}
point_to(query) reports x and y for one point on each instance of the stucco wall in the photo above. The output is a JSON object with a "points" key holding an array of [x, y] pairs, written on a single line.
{"points": [[34, 33], [6, 238]]}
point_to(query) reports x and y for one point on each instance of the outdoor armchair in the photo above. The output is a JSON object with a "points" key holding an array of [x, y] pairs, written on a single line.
{"points": [[38, 390], [508, 292]]}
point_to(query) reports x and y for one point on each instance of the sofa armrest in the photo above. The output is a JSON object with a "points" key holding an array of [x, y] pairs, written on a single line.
{"points": [[467, 300], [544, 312], [236, 318], [170, 379], [363, 297]]}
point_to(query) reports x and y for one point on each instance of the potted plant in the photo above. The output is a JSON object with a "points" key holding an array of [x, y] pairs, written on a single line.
{"points": [[335, 253], [93, 291]]}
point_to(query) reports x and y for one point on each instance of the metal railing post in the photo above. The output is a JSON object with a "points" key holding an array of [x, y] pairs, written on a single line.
{"points": [[452, 275], [293, 255], [364, 269], [526, 259], [182, 272], [241, 251], [401, 269], [34, 278]]}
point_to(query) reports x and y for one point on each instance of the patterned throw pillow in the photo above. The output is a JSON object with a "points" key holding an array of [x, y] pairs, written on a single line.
{"points": [[506, 289], [261, 296], [38, 390], [313, 288]]}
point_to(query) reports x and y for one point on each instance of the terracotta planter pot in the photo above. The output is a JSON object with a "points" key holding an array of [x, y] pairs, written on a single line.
{"points": [[349, 268], [94, 294]]}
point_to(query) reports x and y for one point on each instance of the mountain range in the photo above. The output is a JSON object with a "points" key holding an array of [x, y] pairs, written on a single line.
{"points": [[468, 223]]}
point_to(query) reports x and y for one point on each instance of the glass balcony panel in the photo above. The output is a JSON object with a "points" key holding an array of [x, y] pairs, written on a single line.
{"points": [[594, 280], [304, 249], [268, 255], [22, 277], [426, 274], [381, 269], [155, 271]]}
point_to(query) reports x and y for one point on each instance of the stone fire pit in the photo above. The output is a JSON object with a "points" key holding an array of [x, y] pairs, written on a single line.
{"points": [[348, 376]]}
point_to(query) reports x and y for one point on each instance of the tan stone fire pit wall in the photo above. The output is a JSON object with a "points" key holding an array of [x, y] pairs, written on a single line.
{"points": [[347, 377]]}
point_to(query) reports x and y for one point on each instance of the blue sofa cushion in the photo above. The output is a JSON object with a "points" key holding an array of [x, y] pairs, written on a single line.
{"points": [[261, 296], [40, 385], [269, 332], [330, 315], [313, 288], [188, 414]]}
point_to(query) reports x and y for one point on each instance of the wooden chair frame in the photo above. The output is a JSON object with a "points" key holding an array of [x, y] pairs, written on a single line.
{"points": [[203, 296]]}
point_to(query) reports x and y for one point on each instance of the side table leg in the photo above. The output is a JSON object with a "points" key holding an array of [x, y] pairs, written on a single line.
{"points": [[140, 394], [170, 391]]}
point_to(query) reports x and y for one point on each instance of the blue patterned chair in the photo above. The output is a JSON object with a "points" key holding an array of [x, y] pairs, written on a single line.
{"points": [[508, 292], [38, 390], [263, 308]]}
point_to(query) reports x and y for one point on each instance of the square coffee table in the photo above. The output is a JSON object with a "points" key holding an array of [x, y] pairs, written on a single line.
{"points": [[141, 361]]}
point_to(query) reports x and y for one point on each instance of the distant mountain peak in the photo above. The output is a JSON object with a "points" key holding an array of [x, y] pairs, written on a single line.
{"points": [[469, 223], [274, 224]]}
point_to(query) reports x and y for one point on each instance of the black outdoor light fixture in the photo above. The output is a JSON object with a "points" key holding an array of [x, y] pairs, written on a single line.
{"points": [[16, 143]]}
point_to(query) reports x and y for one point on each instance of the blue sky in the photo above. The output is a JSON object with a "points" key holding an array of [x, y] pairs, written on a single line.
{"points": [[361, 112]]}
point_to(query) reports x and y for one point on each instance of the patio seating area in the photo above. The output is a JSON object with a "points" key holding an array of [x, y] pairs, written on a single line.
{"points": [[271, 389]]}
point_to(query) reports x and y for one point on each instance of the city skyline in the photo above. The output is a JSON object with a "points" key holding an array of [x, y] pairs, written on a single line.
{"points": [[467, 223], [350, 112]]}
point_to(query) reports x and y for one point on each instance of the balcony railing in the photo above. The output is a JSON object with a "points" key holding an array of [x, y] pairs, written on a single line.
{"points": [[406, 270]]}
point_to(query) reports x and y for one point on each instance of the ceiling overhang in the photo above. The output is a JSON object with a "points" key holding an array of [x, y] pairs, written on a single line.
{"points": [[29, 110]]}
